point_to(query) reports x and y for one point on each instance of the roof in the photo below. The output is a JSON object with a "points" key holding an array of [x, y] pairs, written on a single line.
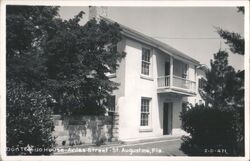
{"points": [[131, 33]]}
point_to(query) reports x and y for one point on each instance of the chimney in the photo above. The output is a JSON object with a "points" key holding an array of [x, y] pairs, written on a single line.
{"points": [[96, 12]]}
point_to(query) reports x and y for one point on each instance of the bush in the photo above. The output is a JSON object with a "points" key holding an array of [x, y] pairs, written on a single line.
{"points": [[29, 122], [211, 131]]}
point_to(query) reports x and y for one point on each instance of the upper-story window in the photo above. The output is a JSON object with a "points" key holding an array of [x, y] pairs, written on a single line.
{"points": [[145, 65]]}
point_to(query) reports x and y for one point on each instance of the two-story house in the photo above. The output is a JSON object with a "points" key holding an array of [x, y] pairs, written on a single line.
{"points": [[155, 79]]}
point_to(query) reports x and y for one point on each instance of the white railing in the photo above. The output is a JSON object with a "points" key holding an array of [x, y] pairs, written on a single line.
{"points": [[163, 81], [183, 83], [178, 82]]}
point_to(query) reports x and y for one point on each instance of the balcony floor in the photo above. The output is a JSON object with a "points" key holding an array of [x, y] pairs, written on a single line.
{"points": [[174, 90]]}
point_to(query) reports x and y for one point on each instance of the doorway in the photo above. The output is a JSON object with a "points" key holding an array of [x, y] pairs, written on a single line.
{"points": [[167, 68], [167, 118], [167, 73]]}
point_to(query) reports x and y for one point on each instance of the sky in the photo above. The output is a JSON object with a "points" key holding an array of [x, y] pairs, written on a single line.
{"points": [[190, 30]]}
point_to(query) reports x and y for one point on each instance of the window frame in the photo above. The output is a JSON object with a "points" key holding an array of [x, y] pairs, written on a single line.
{"points": [[147, 112], [146, 62]]}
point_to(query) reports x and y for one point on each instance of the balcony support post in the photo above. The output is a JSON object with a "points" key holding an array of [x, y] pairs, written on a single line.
{"points": [[171, 71]]}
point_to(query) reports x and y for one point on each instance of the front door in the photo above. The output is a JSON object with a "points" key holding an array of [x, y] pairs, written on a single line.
{"points": [[167, 118]]}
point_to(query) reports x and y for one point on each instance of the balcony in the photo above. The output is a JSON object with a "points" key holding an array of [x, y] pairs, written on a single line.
{"points": [[175, 84]]}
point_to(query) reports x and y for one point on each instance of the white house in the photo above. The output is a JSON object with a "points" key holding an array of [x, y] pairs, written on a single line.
{"points": [[155, 79]]}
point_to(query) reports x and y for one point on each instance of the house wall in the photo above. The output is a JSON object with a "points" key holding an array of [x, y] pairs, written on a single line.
{"points": [[135, 88], [197, 98], [138, 86], [191, 72], [200, 74]]}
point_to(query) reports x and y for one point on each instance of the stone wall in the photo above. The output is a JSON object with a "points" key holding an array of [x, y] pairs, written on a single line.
{"points": [[77, 130]]}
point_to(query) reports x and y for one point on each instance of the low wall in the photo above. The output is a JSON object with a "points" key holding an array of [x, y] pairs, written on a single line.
{"points": [[77, 130]]}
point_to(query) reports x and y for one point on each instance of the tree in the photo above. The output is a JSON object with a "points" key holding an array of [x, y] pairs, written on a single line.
{"points": [[225, 89], [54, 62], [78, 59], [29, 122], [221, 82], [234, 40], [211, 131], [236, 43], [220, 121], [26, 32]]}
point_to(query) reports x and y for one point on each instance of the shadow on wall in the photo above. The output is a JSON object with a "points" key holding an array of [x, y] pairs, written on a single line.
{"points": [[77, 130]]}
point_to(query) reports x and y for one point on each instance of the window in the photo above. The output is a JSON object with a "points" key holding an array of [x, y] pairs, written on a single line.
{"points": [[145, 111], [202, 83], [145, 61], [111, 105]]}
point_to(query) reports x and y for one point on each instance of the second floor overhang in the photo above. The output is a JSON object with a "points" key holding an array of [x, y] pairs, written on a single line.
{"points": [[176, 85]]}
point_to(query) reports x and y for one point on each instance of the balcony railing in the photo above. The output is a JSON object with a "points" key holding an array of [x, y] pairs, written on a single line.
{"points": [[177, 83], [164, 81]]}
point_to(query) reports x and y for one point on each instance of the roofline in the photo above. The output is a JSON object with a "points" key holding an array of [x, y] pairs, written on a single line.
{"points": [[164, 50], [133, 34]]}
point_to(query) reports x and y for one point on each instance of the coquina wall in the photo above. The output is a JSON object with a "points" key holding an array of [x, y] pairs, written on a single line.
{"points": [[78, 130]]}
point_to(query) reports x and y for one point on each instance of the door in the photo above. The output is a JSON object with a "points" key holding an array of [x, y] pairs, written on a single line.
{"points": [[167, 73], [167, 118]]}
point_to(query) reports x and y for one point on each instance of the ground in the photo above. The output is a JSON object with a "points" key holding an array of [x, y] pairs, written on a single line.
{"points": [[153, 148]]}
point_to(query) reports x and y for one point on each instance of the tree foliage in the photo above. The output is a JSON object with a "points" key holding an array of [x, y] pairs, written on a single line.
{"points": [[27, 29], [234, 40], [211, 130], [78, 59], [237, 45], [29, 122], [220, 123], [241, 9], [54, 63], [224, 88], [221, 83]]}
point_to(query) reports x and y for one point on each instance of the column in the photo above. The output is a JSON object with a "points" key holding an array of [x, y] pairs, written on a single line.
{"points": [[171, 71]]}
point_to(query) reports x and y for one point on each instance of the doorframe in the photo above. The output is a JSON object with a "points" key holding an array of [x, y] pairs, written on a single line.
{"points": [[169, 118]]}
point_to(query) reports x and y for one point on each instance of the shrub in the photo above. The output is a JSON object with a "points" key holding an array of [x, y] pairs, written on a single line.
{"points": [[211, 131], [29, 122]]}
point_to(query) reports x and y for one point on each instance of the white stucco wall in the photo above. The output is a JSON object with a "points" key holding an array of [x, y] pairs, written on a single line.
{"points": [[137, 87], [197, 98]]}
